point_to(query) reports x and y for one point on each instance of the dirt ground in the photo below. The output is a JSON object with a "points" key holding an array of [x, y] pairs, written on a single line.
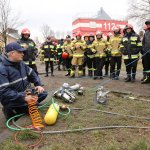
{"points": [[119, 139]]}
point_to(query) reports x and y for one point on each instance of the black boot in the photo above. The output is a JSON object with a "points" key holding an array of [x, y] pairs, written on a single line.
{"points": [[128, 79], [144, 76], [52, 75], [84, 72], [95, 77], [146, 80], [90, 73], [112, 75], [68, 74], [117, 75], [133, 78], [46, 75], [59, 68]]}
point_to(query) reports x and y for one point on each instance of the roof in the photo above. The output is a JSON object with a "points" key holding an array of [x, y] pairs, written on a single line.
{"points": [[102, 15], [14, 35]]}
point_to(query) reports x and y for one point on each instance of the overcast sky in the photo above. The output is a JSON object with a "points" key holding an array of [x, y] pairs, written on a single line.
{"points": [[59, 14]]}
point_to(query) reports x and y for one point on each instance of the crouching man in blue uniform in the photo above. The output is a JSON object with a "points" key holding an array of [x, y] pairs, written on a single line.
{"points": [[15, 78]]}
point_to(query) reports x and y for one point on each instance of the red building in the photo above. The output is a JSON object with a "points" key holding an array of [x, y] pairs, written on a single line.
{"points": [[102, 22]]}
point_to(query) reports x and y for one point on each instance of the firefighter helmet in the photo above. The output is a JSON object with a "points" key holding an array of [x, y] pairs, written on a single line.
{"points": [[48, 38], [147, 22], [109, 34], [68, 37], [78, 34], [91, 35], [86, 35], [65, 55], [99, 33], [116, 28], [25, 31], [129, 26]]}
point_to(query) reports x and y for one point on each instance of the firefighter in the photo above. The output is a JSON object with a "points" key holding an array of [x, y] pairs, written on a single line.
{"points": [[78, 47], [31, 50], [49, 50], [99, 47], [130, 48], [146, 52], [90, 55], [59, 53], [116, 55], [108, 56], [67, 48], [86, 40]]}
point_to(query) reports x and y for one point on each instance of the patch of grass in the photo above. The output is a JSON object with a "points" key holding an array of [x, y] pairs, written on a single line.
{"points": [[140, 145], [10, 145], [28, 135]]}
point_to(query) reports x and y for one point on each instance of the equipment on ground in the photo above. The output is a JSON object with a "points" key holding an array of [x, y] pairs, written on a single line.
{"points": [[52, 114], [101, 95]]}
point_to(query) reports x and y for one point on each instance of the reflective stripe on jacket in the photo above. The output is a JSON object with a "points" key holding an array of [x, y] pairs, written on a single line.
{"points": [[15, 78]]}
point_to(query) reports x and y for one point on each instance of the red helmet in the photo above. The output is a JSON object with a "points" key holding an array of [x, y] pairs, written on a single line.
{"points": [[78, 34], [65, 55], [25, 31], [99, 33], [129, 26]]}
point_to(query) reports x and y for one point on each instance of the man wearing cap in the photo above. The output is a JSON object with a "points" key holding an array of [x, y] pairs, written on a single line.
{"points": [[15, 79], [146, 53]]}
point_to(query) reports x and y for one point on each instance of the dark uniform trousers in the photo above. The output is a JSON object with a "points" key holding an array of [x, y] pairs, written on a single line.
{"points": [[131, 66], [115, 61], [99, 64]]}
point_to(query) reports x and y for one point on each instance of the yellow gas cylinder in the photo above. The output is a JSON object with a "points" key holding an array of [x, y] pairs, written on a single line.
{"points": [[52, 114]]}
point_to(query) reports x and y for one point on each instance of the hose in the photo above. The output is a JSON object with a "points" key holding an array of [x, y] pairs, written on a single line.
{"points": [[63, 114], [31, 145], [35, 115], [118, 114], [92, 128], [17, 116]]}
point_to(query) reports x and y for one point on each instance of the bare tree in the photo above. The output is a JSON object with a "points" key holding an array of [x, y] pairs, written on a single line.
{"points": [[47, 31], [7, 19], [139, 10], [57, 34]]}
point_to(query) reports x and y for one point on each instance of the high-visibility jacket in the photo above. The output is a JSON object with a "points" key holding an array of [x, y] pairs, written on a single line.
{"points": [[59, 49], [49, 50], [31, 50], [67, 48], [130, 46], [78, 47], [114, 45], [99, 47], [88, 50]]}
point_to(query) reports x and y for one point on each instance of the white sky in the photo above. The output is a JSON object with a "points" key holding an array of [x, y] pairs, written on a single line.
{"points": [[58, 14]]}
